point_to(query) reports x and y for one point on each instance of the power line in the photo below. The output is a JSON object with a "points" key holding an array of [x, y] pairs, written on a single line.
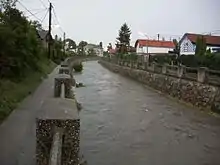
{"points": [[44, 17], [43, 3], [28, 10], [37, 12], [57, 19]]}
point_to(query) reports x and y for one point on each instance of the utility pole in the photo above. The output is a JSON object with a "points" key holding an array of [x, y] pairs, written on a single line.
{"points": [[64, 38], [158, 37], [49, 42]]}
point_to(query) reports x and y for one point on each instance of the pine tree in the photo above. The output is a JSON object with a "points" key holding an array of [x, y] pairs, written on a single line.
{"points": [[124, 38]]}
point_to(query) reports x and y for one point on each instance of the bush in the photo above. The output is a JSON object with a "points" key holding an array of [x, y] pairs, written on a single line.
{"points": [[78, 67], [163, 58], [211, 60]]}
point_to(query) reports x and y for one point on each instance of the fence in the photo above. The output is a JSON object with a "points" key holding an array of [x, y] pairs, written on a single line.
{"points": [[201, 74]]}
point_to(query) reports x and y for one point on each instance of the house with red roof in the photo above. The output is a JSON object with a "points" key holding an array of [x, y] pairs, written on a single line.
{"points": [[188, 43], [145, 46]]}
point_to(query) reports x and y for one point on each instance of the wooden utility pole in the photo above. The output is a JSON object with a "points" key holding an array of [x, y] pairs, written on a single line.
{"points": [[64, 38], [49, 39]]}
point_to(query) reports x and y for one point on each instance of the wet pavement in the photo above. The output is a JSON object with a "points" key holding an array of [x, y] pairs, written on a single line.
{"points": [[126, 123], [18, 131]]}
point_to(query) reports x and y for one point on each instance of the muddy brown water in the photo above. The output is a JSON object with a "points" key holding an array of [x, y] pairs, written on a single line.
{"points": [[126, 123]]}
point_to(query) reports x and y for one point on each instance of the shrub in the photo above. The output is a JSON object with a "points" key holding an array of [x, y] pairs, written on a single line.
{"points": [[78, 67]]}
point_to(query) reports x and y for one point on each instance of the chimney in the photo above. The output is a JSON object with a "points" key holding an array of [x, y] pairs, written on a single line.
{"points": [[158, 37]]}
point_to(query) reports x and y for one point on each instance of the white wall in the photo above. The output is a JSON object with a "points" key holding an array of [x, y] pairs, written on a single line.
{"points": [[186, 47], [152, 49]]}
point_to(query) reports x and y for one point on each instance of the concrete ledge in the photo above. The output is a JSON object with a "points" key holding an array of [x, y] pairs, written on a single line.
{"points": [[58, 108]]}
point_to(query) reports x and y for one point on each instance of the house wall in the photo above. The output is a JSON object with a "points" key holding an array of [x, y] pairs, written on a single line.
{"points": [[187, 47], [152, 49]]}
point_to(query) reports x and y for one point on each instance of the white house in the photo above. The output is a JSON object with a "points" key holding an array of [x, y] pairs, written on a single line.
{"points": [[188, 43], [96, 48], [144, 46]]}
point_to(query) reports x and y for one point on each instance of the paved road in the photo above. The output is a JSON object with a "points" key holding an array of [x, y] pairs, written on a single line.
{"points": [[17, 133], [125, 123]]}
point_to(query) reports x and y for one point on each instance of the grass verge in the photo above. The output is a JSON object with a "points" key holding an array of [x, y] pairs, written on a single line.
{"points": [[11, 93]]}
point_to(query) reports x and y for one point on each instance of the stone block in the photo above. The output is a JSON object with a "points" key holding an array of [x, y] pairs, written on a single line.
{"points": [[181, 71], [63, 114], [202, 75], [70, 140], [68, 82], [164, 69], [64, 70], [64, 64]]}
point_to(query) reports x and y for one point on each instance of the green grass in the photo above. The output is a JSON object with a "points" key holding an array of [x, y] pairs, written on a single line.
{"points": [[11, 93]]}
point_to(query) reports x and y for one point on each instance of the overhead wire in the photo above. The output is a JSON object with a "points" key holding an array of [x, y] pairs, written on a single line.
{"points": [[37, 12], [42, 20], [43, 3], [57, 19], [29, 11]]}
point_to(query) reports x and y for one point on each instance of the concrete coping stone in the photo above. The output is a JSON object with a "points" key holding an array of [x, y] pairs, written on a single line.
{"points": [[62, 76], [59, 109]]}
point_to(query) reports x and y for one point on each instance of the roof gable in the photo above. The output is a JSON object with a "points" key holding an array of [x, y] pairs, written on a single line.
{"points": [[210, 40], [154, 43]]}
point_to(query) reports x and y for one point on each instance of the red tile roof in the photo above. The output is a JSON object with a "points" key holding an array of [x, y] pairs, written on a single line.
{"points": [[210, 40], [154, 43], [112, 51]]}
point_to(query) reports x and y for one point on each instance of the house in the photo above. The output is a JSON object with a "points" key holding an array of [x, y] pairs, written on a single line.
{"points": [[96, 48], [188, 43], [153, 46], [44, 37]]}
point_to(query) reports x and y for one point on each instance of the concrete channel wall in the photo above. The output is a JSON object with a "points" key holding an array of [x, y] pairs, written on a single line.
{"points": [[202, 95], [58, 124]]}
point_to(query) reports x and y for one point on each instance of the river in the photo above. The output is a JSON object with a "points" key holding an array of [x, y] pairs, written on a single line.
{"points": [[126, 123]]}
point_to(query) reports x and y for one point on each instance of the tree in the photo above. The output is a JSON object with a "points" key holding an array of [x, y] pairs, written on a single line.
{"points": [[70, 44], [124, 38], [81, 46], [91, 52], [109, 47], [20, 49], [200, 46], [177, 49], [37, 25]]}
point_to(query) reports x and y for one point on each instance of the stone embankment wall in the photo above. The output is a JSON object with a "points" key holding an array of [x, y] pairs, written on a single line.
{"points": [[202, 95]]}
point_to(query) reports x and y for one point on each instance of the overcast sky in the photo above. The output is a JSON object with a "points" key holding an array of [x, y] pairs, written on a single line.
{"points": [[100, 20]]}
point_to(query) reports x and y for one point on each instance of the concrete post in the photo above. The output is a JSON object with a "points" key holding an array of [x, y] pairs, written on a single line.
{"points": [[153, 66], [181, 71], [132, 64], [63, 114], [64, 70], [202, 74], [145, 65], [164, 69], [68, 83]]}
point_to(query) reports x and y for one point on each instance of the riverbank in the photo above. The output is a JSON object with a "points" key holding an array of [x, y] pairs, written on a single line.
{"points": [[12, 93]]}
